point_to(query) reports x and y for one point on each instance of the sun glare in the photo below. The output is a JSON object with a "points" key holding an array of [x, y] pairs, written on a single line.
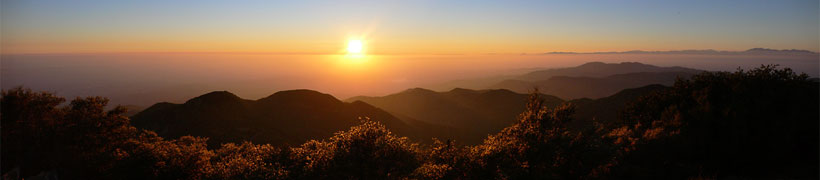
{"points": [[354, 46]]}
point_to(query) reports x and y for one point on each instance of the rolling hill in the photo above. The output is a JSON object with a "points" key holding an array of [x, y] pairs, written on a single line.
{"points": [[482, 112], [295, 116], [286, 117], [605, 110], [478, 112]]}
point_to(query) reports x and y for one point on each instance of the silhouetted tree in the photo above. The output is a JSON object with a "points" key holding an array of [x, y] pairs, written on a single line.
{"points": [[761, 123], [28, 130], [84, 141]]}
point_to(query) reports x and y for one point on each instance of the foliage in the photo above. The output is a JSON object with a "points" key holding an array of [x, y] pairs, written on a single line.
{"points": [[28, 130], [761, 123], [539, 146], [367, 151], [444, 160], [758, 123], [249, 161]]}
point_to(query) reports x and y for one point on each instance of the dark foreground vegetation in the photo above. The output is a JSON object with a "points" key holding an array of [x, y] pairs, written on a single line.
{"points": [[761, 123]]}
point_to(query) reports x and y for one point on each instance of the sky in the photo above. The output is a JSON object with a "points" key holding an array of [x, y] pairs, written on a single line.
{"points": [[147, 51], [404, 27]]}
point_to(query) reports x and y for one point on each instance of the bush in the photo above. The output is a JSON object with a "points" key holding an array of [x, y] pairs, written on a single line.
{"points": [[443, 160], [367, 151], [538, 146], [758, 123], [249, 161]]}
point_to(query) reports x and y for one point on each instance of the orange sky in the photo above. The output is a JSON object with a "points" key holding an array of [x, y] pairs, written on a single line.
{"points": [[414, 27]]}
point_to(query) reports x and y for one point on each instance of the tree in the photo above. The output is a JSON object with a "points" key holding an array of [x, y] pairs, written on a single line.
{"points": [[84, 141], [758, 123], [28, 130]]}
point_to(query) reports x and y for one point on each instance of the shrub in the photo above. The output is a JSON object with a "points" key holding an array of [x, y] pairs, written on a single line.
{"points": [[367, 151], [758, 123], [538, 146], [249, 161]]}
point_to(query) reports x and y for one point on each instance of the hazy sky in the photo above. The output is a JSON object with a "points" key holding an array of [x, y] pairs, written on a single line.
{"points": [[405, 27]]}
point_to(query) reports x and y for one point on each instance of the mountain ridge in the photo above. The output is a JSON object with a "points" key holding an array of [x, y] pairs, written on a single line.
{"points": [[600, 69], [285, 117], [478, 112], [752, 51]]}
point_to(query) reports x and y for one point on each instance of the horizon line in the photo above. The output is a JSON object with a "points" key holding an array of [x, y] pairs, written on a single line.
{"points": [[681, 51]]}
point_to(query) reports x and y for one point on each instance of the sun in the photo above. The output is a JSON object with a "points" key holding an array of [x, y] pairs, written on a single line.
{"points": [[355, 46], [356, 52]]}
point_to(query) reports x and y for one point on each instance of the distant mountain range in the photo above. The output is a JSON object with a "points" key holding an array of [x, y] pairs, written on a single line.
{"points": [[592, 87], [590, 80], [753, 51], [599, 70], [286, 117]]}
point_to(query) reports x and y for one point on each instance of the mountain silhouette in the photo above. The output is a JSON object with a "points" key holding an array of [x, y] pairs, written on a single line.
{"points": [[593, 87], [477, 112], [589, 80], [600, 69], [753, 51], [605, 110], [285, 117]]}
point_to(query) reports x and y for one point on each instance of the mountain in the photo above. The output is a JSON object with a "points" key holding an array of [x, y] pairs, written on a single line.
{"points": [[600, 69], [295, 116], [481, 82], [593, 87], [480, 112], [285, 117], [589, 80], [474, 112], [753, 51], [470, 83], [605, 110], [779, 52]]}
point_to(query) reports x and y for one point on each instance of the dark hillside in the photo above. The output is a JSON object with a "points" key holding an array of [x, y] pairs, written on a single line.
{"points": [[286, 117], [477, 112]]}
